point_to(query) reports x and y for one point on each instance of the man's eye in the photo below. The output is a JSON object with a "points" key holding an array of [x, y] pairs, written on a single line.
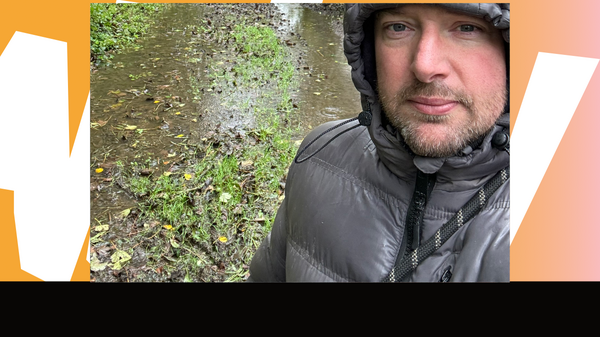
{"points": [[398, 27], [467, 28]]}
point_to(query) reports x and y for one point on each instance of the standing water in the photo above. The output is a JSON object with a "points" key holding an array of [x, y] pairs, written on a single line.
{"points": [[158, 110], [326, 88]]}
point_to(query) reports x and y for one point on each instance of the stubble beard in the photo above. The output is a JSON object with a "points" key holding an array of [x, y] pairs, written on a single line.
{"points": [[481, 115]]}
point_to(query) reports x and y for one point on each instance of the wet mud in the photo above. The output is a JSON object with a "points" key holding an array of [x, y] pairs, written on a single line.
{"points": [[164, 106]]}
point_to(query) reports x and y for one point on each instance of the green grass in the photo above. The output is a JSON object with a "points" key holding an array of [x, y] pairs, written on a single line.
{"points": [[220, 205], [116, 26]]}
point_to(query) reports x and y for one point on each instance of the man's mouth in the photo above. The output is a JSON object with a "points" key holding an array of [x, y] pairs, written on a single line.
{"points": [[433, 105]]}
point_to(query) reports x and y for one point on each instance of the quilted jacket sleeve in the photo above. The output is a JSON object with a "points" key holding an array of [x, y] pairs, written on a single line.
{"points": [[268, 263]]}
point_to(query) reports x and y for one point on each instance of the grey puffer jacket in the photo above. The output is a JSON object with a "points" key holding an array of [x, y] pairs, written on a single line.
{"points": [[344, 216]]}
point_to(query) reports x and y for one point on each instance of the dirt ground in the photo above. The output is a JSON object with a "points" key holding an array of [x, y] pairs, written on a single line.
{"points": [[159, 113]]}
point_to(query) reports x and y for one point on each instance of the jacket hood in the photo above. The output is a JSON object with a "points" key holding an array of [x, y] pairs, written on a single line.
{"points": [[359, 50], [358, 37]]}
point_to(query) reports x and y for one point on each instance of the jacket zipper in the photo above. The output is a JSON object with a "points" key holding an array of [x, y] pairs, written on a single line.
{"points": [[416, 211]]}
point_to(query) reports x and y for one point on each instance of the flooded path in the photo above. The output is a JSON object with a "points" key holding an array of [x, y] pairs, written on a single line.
{"points": [[326, 89], [163, 85], [155, 107]]}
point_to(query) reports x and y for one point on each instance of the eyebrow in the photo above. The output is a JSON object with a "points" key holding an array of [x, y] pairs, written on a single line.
{"points": [[391, 11], [400, 11], [395, 10]]}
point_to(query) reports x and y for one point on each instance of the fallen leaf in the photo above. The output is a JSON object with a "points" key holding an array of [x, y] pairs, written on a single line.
{"points": [[156, 102], [166, 174], [317, 93], [95, 264], [187, 176], [222, 239], [119, 258], [97, 238], [101, 228], [178, 113], [224, 197], [168, 227], [125, 213], [130, 127], [99, 170], [179, 136], [174, 243]]}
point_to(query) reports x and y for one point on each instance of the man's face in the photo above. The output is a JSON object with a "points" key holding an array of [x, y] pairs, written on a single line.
{"points": [[441, 76]]}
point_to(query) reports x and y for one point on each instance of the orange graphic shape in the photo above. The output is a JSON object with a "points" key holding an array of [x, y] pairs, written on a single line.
{"points": [[67, 21], [82, 268], [10, 263]]}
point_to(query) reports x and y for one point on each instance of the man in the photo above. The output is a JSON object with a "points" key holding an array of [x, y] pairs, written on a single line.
{"points": [[421, 193]]}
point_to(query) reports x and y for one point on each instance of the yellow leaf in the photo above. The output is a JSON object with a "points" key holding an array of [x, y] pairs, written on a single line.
{"points": [[168, 227], [178, 113], [99, 170], [178, 136], [156, 102], [101, 228], [130, 127], [125, 213], [194, 120], [222, 239], [187, 176], [317, 93]]}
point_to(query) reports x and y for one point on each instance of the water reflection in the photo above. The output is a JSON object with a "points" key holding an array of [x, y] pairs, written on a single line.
{"points": [[326, 90]]}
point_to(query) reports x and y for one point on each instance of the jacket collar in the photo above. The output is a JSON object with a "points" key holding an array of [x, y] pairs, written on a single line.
{"points": [[474, 161]]}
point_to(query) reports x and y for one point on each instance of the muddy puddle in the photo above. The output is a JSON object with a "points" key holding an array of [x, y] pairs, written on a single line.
{"points": [[153, 103], [326, 89]]}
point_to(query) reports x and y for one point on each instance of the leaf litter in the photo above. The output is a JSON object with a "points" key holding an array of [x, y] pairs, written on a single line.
{"points": [[190, 213]]}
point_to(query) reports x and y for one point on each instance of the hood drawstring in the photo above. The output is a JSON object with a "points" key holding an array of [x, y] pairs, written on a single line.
{"points": [[364, 119]]}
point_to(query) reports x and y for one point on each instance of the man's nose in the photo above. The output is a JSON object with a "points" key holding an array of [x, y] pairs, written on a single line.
{"points": [[430, 61]]}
